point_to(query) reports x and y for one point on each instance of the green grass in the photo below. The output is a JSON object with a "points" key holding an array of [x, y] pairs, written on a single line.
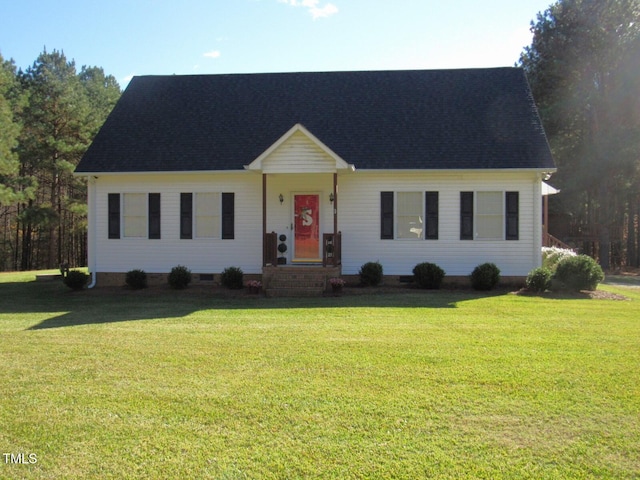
{"points": [[449, 384]]}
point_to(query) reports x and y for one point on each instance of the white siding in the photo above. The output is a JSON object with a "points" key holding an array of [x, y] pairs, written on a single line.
{"points": [[298, 154], [201, 255], [359, 221]]}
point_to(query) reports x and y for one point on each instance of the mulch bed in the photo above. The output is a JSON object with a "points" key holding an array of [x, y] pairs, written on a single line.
{"points": [[583, 294]]}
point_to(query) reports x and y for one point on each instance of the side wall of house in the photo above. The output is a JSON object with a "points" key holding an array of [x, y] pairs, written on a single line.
{"points": [[201, 255], [359, 220]]}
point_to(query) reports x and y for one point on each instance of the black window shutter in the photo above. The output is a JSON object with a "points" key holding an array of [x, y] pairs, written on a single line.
{"points": [[431, 214], [512, 216], [228, 216], [386, 215], [114, 215], [154, 216], [466, 215], [186, 215]]}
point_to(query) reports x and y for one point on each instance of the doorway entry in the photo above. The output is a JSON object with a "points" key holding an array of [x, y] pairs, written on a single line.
{"points": [[306, 228]]}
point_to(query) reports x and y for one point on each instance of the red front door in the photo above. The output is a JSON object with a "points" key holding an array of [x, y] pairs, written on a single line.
{"points": [[306, 243]]}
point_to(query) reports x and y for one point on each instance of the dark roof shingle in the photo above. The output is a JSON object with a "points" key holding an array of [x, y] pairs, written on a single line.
{"points": [[418, 119]]}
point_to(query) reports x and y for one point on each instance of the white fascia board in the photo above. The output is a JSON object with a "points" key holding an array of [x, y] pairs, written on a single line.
{"points": [[170, 172]]}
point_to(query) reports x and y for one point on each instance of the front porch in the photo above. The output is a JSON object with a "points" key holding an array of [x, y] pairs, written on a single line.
{"points": [[303, 279], [301, 240]]}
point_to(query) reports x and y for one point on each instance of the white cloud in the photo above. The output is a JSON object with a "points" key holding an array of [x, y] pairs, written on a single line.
{"points": [[212, 54], [314, 7]]}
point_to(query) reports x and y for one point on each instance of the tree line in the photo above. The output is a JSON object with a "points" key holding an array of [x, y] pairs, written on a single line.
{"points": [[49, 114], [584, 69]]}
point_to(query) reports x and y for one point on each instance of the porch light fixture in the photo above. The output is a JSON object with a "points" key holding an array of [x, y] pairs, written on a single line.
{"points": [[331, 197], [281, 198]]}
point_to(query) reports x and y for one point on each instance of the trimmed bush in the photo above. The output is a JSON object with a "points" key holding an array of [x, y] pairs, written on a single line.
{"points": [[485, 276], [75, 279], [428, 275], [370, 274], [231, 278], [136, 279], [579, 273], [539, 279], [551, 256], [179, 277]]}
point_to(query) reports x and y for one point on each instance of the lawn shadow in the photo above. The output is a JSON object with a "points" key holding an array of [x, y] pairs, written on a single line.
{"points": [[119, 304]]}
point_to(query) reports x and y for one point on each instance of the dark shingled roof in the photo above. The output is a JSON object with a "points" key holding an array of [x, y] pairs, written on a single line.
{"points": [[419, 119]]}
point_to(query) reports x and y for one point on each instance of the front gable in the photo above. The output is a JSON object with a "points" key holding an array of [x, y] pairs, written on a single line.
{"points": [[298, 151]]}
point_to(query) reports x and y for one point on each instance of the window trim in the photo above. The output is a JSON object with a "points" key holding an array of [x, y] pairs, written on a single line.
{"points": [[389, 215], [225, 216], [470, 218]]}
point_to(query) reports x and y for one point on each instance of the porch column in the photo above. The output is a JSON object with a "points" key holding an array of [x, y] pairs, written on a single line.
{"points": [[264, 219], [335, 203]]}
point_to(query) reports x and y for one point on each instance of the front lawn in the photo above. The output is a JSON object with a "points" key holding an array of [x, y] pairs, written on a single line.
{"points": [[449, 384]]}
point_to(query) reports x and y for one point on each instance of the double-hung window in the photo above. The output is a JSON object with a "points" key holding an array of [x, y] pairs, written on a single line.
{"points": [[134, 215], [489, 215], [207, 215], [409, 215]]}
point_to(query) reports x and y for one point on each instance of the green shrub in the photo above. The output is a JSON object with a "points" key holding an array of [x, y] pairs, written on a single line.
{"points": [[485, 277], [76, 280], [551, 256], [232, 278], [428, 275], [539, 279], [579, 273], [179, 277], [370, 274], [136, 279]]}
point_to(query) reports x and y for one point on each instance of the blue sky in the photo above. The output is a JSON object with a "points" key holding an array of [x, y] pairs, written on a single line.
{"points": [[154, 37]]}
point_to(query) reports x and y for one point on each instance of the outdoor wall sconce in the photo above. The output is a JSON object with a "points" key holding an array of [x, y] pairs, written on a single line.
{"points": [[331, 197], [281, 198]]}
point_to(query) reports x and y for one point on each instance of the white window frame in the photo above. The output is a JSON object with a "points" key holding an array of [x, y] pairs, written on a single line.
{"points": [[132, 214], [206, 223], [419, 213], [484, 215]]}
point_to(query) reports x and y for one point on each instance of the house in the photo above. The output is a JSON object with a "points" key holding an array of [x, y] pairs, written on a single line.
{"points": [[400, 167]]}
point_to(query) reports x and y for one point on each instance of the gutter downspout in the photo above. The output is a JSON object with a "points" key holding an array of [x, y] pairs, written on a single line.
{"points": [[91, 234]]}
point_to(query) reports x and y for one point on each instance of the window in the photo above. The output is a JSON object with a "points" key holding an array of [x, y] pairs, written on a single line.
{"points": [[134, 214], [139, 215], [208, 214], [409, 215], [207, 210], [489, 215]]}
